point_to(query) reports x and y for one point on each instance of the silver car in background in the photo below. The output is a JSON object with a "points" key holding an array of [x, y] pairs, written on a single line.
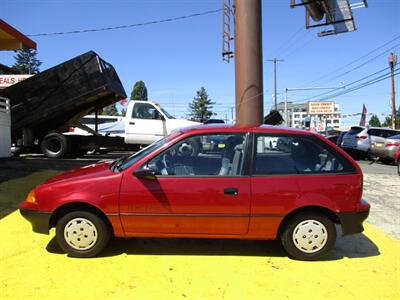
{"points": [[358, 139], [386, 149]]}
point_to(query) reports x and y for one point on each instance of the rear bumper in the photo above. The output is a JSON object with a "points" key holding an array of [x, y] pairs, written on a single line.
{"points": [[352, 222], [40, 220], [382, 152]]}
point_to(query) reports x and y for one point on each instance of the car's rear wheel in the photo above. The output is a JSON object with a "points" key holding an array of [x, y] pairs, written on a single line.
{"points": [[82, 234], [309, 236], [398, 167]]}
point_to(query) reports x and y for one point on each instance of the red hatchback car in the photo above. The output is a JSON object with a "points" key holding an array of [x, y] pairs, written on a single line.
{"points": [[212, 181]]}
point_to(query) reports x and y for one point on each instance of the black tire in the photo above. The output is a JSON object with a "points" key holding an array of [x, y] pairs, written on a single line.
{"points": [[55, 145], [398, 167], [82, 234], [386, 161], [301, 243]]}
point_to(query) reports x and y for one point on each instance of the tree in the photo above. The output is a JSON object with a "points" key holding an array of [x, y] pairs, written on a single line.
{"points": [[26, 62], [139, 91], [388, 123], [110, 110], [201, 107], [374, 121]]}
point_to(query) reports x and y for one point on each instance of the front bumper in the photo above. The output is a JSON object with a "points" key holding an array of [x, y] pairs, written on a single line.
{"points": [[40, 220], [352, 221]]}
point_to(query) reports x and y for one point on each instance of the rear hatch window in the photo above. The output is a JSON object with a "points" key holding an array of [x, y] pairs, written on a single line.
{"points": [[355, 130]]}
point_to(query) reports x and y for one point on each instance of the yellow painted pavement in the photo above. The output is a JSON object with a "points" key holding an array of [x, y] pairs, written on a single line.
{"points": [[365, 266]]}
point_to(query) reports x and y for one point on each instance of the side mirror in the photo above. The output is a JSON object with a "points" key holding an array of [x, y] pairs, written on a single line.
{"points": [[145, 174]]}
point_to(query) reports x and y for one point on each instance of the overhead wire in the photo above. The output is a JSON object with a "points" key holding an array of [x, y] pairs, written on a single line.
{"points": [[128, 26], [347, 85], [328, 75]]}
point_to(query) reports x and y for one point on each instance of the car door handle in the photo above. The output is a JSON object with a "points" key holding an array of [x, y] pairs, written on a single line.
{"points": [[231, 191], [131, 123]]}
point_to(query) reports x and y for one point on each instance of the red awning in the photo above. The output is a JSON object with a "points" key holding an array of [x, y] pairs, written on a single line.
{"points": [[12, 39]]}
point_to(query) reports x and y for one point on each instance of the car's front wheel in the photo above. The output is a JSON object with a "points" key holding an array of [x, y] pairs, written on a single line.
{"points": [[309, 236], [82, 234]]}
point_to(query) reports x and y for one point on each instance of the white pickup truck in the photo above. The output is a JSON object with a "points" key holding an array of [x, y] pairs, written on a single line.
{"points": [[147, 122]]}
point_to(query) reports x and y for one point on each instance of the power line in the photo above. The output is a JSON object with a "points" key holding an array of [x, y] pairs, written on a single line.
{"points": [[347, 85], [328, 75], [362, 85], [128, 26]]}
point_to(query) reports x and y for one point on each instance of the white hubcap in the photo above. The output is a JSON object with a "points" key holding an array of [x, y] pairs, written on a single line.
{"points": [[310, 236], [80, 234]]}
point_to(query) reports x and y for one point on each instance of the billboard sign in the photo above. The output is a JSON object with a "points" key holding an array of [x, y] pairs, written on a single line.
{"points": [[321, 108], [7, 80]]}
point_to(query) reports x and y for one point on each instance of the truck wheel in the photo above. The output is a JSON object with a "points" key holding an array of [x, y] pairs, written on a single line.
{"points": [[82, 234], [309, 236], [54, 145]]}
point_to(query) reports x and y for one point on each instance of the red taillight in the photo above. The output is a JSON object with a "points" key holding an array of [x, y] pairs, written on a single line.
{"points": [[361, 137], [392, 144], [71, 129]]}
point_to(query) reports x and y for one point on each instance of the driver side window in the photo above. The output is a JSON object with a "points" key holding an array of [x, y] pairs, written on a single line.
{"points": [[202, 155]]}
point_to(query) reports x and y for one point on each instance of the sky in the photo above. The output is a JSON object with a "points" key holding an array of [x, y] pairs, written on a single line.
{"points": [[175, 59]]}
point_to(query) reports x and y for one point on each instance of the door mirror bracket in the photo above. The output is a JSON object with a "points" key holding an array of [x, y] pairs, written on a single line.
{"points": [[147, 174]]}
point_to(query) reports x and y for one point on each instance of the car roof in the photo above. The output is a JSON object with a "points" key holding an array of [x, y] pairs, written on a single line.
{"points": [[209, 128]]}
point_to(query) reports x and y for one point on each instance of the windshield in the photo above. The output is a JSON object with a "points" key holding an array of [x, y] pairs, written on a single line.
{"points": [[169, 116], [130, 160], [140, 154]]}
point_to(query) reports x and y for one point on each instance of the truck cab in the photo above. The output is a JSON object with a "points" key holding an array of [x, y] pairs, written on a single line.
{"points": [[147, 122]]}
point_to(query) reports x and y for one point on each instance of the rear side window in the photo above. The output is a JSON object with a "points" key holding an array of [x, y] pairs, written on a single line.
{"points": [[297, 155], [382, 133]]}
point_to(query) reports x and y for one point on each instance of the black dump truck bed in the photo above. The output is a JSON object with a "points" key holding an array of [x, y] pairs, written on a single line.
{"points": [[55, 97]]}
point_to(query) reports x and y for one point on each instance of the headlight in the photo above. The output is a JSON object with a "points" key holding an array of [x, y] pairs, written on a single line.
{"points": [[31, 197]]}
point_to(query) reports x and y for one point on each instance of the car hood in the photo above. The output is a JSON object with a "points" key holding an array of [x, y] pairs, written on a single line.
{"points": [[97, 170]]}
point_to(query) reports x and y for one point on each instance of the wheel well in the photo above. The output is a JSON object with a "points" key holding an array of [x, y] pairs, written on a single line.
{"points": [[318, 209], [69, 207]]}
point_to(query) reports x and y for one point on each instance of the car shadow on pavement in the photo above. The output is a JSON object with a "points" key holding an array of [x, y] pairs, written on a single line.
{"points": [[356, 246]]}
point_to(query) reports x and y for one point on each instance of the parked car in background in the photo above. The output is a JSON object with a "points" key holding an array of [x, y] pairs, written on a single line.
{"points": [[333, 138], [265, 182], [358, 140], [386, 148], [340, 138]]}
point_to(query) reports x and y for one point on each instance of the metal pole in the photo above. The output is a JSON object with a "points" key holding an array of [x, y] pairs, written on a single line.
{"points": [[275, 60], [392, 62], [248, 63], [286, 108], [275, 92]]}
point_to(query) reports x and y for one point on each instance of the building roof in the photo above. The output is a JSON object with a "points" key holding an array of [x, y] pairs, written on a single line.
{"points": [[12, 39]]}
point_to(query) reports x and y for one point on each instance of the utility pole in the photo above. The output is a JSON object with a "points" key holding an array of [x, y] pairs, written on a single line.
{"points": [[392, 62], [248, 63], [275, 60]]}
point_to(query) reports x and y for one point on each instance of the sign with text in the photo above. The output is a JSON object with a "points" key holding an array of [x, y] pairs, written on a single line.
{"points": [[318, 108], [7, 80]]}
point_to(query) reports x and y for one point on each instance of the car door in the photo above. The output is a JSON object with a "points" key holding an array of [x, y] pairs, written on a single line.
{"points": [[299, 171], [193, 193], [145, 125]]}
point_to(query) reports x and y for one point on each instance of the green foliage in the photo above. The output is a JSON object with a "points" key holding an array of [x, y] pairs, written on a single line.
{"points": [[374, 121], [388, 123], [110, 110], [201, 107], [26, 62], [139, 91]]}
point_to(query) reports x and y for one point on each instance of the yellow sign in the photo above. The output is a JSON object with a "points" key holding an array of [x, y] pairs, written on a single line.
{"points": [[317, 108]]}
